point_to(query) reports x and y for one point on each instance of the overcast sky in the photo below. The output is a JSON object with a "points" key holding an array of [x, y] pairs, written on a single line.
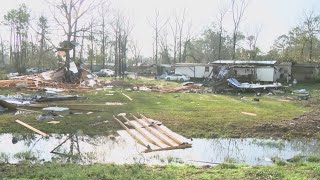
{"points": [[276, 17]]}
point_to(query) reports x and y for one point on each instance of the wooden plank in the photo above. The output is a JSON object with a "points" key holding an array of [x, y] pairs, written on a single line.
{"points": [[127, 96], [161, 129], [32, 128], [144, 134], [152, 131], [249, 114], [131, 134]]}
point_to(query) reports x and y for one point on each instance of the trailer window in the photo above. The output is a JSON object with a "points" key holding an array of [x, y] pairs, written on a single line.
{"points": [[206, 69]]}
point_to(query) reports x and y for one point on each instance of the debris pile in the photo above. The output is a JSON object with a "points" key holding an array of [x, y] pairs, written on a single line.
{"points": [[53, 78], [169, 89]]}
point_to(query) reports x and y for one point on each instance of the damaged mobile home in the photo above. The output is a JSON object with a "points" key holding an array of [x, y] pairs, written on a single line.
{"points": [[248, 70]]}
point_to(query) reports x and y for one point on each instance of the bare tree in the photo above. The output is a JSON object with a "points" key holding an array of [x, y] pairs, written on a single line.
{"points": [[252, 39], [174, 30], [180, 24], [238, 8], [2, 51], [187, 40], [82, 45], [164, 54], [122, 28], [311, 26], [223, 9], [91, 48], [157, 26], [136, 52], [67, 18], [103, 11]]}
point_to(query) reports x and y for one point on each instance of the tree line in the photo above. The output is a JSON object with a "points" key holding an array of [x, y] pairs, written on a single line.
{"points": [[97, 34]]}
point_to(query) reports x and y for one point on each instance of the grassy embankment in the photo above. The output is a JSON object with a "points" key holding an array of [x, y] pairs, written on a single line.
{"points": [[298, 169]]}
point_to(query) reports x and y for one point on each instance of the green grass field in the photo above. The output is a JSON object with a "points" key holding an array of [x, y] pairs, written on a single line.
{"points": [[190, 114]]}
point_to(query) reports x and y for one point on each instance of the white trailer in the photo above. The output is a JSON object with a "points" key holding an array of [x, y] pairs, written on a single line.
{"points": [[194, 70]]}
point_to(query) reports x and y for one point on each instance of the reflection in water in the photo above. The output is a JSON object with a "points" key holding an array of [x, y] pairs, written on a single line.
{"points": [[85, 150]]}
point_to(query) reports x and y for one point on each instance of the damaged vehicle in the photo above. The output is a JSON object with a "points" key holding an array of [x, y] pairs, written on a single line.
{"points": [[177, 77]]}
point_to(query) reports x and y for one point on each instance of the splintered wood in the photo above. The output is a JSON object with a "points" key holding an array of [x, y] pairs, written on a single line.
{"points": [[152, 134], [42, 80]]}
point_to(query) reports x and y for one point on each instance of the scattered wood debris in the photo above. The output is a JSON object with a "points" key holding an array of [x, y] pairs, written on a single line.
{"points": [[53, 122], [168, 89], [32, 128], [54, 78], [114, 103], [151, 135], [127, 96], [249, 114]]}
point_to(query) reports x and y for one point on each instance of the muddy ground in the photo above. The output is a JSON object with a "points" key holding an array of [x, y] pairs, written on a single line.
{"points": [[306, 125]]}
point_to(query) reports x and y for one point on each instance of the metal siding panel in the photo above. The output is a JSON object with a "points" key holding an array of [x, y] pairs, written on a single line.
{"points": [[265, 74]]}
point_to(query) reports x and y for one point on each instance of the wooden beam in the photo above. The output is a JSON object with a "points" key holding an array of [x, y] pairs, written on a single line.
{"points": [[32, 128], [152, 131], [143, 133], [131, 134], [127, 96], [161, 129]]}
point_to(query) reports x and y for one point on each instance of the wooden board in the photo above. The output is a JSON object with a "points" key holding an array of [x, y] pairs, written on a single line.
{"points": [[32, 128], [158, 138]]}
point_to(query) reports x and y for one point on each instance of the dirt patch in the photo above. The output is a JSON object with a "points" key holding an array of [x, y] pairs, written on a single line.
{"points": [[306, 125]]}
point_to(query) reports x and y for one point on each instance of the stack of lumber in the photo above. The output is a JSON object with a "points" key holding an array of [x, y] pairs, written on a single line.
{"points": [[152, 134]]}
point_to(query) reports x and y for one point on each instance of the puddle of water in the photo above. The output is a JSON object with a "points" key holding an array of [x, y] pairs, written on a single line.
{"points": [[119, 150]]}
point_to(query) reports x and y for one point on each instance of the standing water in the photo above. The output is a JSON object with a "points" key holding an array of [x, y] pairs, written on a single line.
{"points": [[116, 149]]}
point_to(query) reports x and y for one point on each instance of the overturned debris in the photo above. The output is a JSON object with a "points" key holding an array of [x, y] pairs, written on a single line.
{"points": [[153, 136]]}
